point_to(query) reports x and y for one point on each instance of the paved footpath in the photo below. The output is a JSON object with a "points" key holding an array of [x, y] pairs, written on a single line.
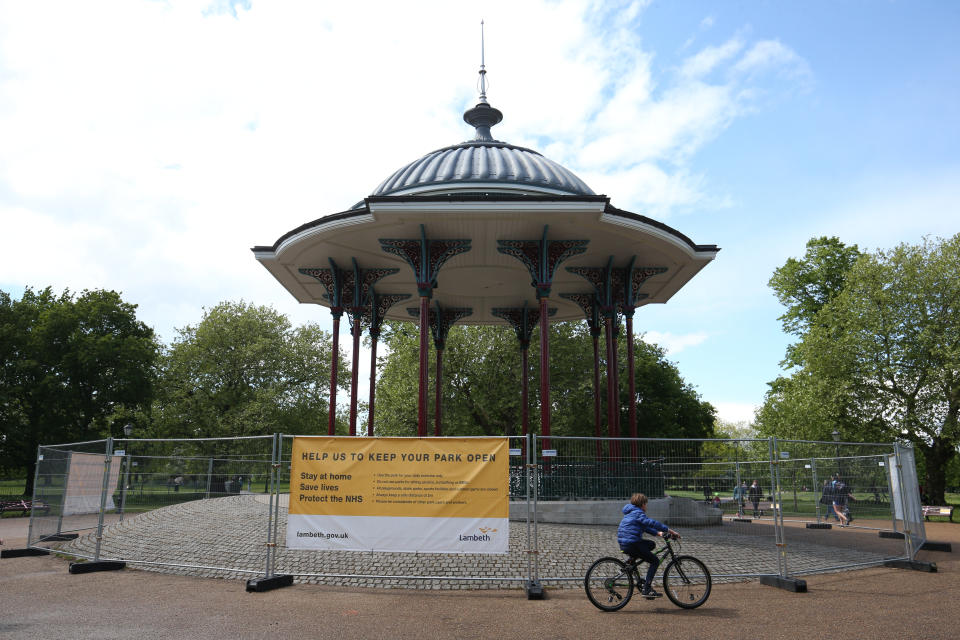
{"points": [[230, 532], [39, 599]]}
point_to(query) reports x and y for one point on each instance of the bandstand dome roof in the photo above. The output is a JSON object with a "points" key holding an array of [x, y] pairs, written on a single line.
{"points": [[484, 190], [483, 164]]}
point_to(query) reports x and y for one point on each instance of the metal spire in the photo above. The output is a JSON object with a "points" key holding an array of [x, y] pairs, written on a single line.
{"points": [[483, 69], [483, 116]]}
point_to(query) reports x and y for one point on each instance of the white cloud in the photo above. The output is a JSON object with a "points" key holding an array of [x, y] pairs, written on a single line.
{"points": [[147, 146], [708, 58], [674, 343], [656, 120], [734, 412]]}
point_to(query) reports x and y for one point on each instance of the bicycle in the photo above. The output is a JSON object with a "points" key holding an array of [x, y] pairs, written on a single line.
{"points": [[610, 582]]}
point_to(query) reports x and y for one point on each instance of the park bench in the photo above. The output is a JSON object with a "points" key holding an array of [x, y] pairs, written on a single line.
{"points": [[24, 507], [938, 511]]}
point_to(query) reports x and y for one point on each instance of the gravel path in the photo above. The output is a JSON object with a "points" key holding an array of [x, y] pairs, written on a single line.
{"points": [[39, 600], [225, 538]]}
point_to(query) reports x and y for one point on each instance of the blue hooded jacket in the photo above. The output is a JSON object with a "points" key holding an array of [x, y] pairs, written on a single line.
{"points": [[635, 522]]}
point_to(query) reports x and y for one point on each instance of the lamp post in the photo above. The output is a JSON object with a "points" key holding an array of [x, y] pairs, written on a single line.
{"points": [[127, 430]]}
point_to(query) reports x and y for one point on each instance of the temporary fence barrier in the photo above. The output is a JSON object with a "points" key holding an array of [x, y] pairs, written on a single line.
{"points": [[749, 507], [176, 503]]}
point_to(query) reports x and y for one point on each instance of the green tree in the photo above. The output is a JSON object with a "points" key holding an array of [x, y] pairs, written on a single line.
{"points": [[806, 285], [805, 405], [482, 382], [881, 359], [244, 370], [894, 334], [668, 406], [71, 368]]}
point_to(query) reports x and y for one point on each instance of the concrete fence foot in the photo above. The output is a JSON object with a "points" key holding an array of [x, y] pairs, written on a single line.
{"points": [[534, 590], [929, 545], [259, 585], [60, 537], [97, 565], [789, 584], [20, 553], [928, 567]]}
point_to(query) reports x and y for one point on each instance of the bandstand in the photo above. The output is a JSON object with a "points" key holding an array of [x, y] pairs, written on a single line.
{"points": [[485, 232]]}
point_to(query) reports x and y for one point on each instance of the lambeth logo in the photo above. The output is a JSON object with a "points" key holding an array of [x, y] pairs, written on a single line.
{"points": [[483, 536]]}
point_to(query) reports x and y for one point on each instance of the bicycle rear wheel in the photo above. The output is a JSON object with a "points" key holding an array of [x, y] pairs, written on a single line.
{"points": [[609, 584], [687, 582]]}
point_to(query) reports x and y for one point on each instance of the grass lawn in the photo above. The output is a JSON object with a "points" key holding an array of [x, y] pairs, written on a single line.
{"points": [[141, 498]]}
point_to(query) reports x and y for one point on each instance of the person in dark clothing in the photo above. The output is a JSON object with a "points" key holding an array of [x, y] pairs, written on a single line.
{"points": [[826, 500], [634, 524], [755, 494], [740, 497], [841, 500]]}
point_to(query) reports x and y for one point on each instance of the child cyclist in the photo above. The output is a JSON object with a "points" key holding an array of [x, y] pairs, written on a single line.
{"points": [[630, 537]]}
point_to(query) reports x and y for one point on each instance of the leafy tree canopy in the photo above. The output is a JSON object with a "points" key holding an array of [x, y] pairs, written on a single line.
{"points": [[881, 359], [71, 368], [243, 370], [806, 285], [482, 382]]}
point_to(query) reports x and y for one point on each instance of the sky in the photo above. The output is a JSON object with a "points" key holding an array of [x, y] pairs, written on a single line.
{"points": [[147, 145]]}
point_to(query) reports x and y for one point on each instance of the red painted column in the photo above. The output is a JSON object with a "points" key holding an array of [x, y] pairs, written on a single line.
{"points": [[611, 382], [373, 382], [355, 329], [612, 403], [632, 385], [334, 361], [524, 384], [424, 367], [596, 393], [438, 382], [544, 373], [615, 353]]}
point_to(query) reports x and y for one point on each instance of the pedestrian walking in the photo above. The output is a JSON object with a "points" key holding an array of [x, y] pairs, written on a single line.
{"points": [[755, 494]]}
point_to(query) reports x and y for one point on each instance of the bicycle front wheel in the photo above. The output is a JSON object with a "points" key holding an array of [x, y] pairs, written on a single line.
{"points": [[609, 584], [687, 582]]}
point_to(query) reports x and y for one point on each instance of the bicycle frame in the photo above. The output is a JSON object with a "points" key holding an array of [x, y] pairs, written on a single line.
{"points": [[661, 553]]}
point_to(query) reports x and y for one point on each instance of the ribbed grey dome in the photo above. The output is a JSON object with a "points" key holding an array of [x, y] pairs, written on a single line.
{"points": [[487, 162]]}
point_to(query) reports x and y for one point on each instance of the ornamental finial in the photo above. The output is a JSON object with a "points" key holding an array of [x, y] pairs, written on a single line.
{"points": [[483, 116], [483, 70]]}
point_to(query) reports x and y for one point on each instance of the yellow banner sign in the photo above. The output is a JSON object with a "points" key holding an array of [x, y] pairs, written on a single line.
{"points": [[342, 489]]}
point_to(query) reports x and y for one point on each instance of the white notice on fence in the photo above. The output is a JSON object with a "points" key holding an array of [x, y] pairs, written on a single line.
{"points": [[85, 481]]}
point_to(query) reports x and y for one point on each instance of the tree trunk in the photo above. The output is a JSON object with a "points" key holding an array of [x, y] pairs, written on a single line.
{"points": [[31, 473], [937, 457]]}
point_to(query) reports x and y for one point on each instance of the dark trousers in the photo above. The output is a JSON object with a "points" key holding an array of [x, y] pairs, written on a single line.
{"points": [[643, 549]]}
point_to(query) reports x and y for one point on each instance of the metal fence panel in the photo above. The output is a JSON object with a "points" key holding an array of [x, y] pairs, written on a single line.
{"points": [[820, 479], [748, 507], [67, 489], [691, 486], [909, 492], [423, 570], [198, 504]]}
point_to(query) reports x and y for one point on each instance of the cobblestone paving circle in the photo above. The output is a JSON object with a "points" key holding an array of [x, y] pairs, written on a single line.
{"points": [[227, 538]]}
